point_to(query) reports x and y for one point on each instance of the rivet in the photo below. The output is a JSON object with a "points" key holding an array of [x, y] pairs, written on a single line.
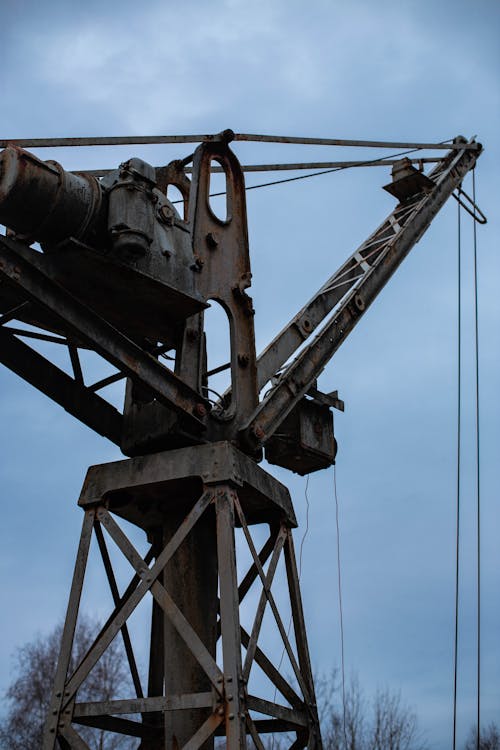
{"points": [[200, 410]]}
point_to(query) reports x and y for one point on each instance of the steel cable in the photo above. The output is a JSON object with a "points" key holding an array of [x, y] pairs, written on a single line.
{"points": [[459, 432], [478, 472], [341, 611]]}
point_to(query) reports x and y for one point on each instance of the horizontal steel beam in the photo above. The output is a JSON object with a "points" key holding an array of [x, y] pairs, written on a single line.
{"points": [[343, 142], [131, 140], [186, 701], [20, 267], [290, 167], [269, 708], [77, 400], [225, 135], [126, 727]]}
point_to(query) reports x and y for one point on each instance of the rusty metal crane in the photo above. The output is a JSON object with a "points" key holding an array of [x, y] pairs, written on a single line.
{"points": [[120, 272]]}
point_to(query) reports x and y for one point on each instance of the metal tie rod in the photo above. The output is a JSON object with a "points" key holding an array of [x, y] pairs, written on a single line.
{"points": [[292, 167], [224, 136]]}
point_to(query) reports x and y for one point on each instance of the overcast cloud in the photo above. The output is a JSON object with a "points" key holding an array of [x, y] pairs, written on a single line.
{"points": [[377, 70]]}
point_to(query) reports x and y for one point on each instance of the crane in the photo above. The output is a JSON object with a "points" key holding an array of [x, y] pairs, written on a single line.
{"points": [[119, 271]]}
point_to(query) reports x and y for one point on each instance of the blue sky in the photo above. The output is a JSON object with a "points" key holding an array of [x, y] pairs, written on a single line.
{"points": [[388, 70]]}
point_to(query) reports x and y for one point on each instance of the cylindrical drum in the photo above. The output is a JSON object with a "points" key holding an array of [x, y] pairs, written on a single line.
{"points": [[41, 201]]}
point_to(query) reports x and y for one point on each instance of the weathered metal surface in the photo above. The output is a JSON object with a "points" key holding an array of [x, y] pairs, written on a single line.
{"points": [[299, 376], [221, 245], [407, 181], [171, 702], [259, 615], [190, 697], [211, 138], [21, 266], [355, 268], [234, 693], [173, 267], [305, 441], [138, 488], [79, 401], [109, 241], [288, 167], [59, 694], [191, 579], [39, 200]]}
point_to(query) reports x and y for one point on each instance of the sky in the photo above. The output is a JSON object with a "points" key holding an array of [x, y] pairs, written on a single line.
{"points": [[411, 71]]}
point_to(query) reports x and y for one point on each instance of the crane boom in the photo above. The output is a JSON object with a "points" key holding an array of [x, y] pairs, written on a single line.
{"points": [[355, 285]]}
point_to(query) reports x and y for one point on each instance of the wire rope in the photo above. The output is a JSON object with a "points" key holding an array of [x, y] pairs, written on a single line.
{"points": [[306, 531], [477, 466], [341, 610], [459, 432], [478, 471], [316, 174]]}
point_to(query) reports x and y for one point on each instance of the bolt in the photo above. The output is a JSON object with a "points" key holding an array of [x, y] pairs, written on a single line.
{"points": [[243, 359], [197, 265], [200, 410], [258, 432], [359, 302], [230, 717], [166, 215], [212, 239]]}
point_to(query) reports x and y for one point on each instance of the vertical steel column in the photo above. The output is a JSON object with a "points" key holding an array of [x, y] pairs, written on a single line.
{"points": [[299, 626], [54, 721], [230, 620], [190, 577], [156, 657]]}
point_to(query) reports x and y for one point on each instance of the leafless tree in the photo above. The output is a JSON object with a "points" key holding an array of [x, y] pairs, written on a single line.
{"points": [[488, 740], [394, 725], [383, 724], [29, 693]]}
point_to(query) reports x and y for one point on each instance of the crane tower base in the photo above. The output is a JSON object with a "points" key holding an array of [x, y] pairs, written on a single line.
{"points": [[208, 675]]}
